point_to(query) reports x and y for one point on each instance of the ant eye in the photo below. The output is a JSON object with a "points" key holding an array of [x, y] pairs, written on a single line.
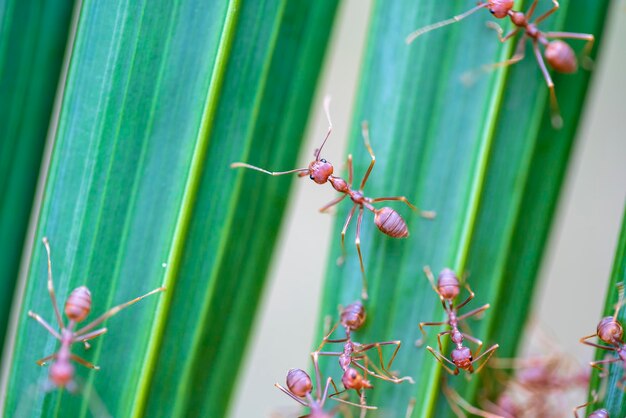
{"points": [[491, 11], [311, 177], [323, 160]]}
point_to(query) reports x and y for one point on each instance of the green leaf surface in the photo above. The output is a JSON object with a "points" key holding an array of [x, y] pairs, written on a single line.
{"points": [[612, 396], [33, 36], [482, 155], [161, 97]]}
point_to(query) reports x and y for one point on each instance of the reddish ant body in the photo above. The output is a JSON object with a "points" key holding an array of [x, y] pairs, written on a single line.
{"points": [[610, 332], [77, 307], [388, 221], [300, 387], [448, 288], [559, 54], [354, 353]]}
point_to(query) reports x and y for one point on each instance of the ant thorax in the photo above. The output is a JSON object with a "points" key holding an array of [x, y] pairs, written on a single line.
{"points": [[320, 171]]}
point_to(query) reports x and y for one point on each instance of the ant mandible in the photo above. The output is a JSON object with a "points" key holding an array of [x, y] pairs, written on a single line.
{"points": [[610, 332], [388, 221], [559, 54], [448, 288], [77, 307]]}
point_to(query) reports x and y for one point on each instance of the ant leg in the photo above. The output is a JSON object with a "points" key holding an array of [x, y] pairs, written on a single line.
{"points": [[114, 311], [341, 259], [596, 364], [44, 324], [291, 395], [500, 31], [421, 341], [469, 298], [322, 400], [474, 312], [89, 336], [43, 361], [487, 353], [546, 14], [357, 242], [350, 169], [441, 334], [441, 358], [57, 314], [431, 279], [332, 203], [520, 52], [557, 120], [389, 376], [583, 37], [84, 362], [326, 338], [600, 346], [366, 140], [428, 214]]}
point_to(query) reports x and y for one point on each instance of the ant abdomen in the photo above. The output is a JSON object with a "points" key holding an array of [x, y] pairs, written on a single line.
{"points": [[561, 57], [299, 382], [61, 373], [78, 304], [390, 223], [448, 284], [353, 316], [500, 8], [610, 331]]}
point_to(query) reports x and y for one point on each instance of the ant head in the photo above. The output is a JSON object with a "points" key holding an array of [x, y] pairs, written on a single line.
{"points": [[61, 373], [500, 8], [299, 382], [561, 57], [78, 304], [353, 316], [448, 284], [610, 331], [462, 357], [320, 170], [352, 379]]}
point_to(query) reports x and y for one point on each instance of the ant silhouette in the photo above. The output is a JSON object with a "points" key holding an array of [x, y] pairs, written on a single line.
{"points": [[77, 307], [388, 221], [448, 288], [611, 332], [559, 54], [300, 388]]}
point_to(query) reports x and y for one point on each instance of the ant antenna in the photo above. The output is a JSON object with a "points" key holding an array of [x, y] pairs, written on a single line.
{"points": [[443, 23], [271, 173], [330, 126]]}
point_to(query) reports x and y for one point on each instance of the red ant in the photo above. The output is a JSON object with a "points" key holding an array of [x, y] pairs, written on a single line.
{"points": [[300, 387], [354, 353], [610, 331], [559, 54], [77, 307], [388, 221], [448, 288]]}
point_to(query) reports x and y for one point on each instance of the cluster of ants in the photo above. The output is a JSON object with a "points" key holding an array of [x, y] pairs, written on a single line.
{"points": [[354, 360]]}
